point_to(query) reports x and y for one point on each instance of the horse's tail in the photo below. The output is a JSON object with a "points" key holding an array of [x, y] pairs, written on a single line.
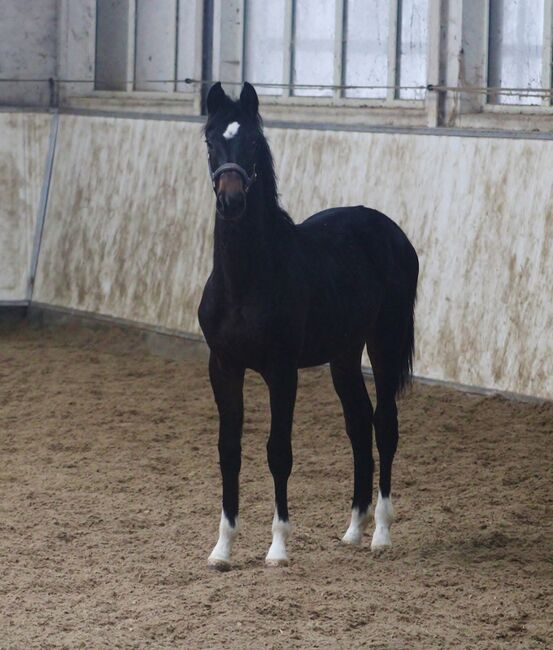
{"points": [[408, 349]]}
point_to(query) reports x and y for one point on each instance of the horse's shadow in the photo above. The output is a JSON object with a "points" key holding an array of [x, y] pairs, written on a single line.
{"points": [[492, 548]]}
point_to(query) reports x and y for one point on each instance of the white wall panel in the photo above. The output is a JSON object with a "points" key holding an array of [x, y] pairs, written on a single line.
{"points": [[155, 49], [366, 47], [480, 213], [413, 47], [264, 44], [128, 230], [130, 223], [313, 59], [516, 47], [28, 50], [23, 149], [189, 19], [77, 46]]}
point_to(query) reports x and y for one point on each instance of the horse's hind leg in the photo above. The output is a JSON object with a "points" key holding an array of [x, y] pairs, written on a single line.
{"points": [[356, 404], [387, 435], [386, 365], [391, 346]]}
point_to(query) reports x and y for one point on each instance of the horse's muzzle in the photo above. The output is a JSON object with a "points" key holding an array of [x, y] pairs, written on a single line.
{"points": [[231, 205]]}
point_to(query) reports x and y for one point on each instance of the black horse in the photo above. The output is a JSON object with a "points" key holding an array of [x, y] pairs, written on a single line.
{"points": [[283, 296]]}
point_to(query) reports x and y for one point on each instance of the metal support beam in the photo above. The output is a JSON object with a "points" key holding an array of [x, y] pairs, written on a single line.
{"points": [[394, 45], [43, 203]]}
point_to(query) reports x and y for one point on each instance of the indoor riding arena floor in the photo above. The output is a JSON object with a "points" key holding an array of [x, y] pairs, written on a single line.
{"points": [[110, 497]]}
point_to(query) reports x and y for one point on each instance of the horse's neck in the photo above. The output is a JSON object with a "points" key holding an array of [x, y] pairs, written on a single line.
{"points": [[243, 252]]}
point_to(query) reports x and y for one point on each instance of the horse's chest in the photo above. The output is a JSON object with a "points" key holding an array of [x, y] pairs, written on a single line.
{"points": [[238, 331], [239, 326]]}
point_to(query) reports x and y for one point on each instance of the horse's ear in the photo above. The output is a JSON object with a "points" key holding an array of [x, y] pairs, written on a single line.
{"points": [[215, 98], [249, 100]]}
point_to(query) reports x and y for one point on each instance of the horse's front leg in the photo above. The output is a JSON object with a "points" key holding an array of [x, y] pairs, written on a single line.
{"points": [[227, 382], [282, 380]]}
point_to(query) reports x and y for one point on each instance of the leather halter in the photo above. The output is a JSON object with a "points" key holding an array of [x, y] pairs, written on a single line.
{"points": [[232, 167]]}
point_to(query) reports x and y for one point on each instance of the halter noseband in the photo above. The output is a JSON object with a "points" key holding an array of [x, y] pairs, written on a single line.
{"points": [[232, 167]]}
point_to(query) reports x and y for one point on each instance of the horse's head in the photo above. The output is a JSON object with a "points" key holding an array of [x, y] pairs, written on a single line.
{"points": [[232, 133]]}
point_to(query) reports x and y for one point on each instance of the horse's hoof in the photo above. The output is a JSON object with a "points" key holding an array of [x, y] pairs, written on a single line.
{"points": [[270, 562], [352, 540], [218, 564], [358, 523], [381, 541], [380, 551]]}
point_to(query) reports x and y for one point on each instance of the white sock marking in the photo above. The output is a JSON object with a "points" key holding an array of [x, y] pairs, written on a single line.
{"points": [[383, 516], [358, 523], [220, 555], [277, 555], [231, 130]]}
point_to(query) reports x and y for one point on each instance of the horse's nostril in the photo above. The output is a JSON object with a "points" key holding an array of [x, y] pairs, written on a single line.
{"points": [[231, 204], [235, 201]]}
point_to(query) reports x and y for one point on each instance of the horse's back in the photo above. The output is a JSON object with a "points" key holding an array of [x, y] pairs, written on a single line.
{"points": [[361, 231]]}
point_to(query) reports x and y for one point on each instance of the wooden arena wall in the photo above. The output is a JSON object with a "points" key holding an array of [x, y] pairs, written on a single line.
{"points": [[130, 217], [23, 150]]}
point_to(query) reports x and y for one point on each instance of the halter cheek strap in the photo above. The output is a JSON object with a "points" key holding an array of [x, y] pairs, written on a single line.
{"points": [[232, 167]]}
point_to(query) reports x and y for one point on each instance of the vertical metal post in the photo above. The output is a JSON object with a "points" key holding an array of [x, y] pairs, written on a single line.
{"points": [[434, 54], [241, 36], [339, 46], [204, 69], [288, 44], [43, 204], [131, 46], [176, 52], [489, 78], [394, 45], [245, 20], [547, 53], [62, 45]]}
